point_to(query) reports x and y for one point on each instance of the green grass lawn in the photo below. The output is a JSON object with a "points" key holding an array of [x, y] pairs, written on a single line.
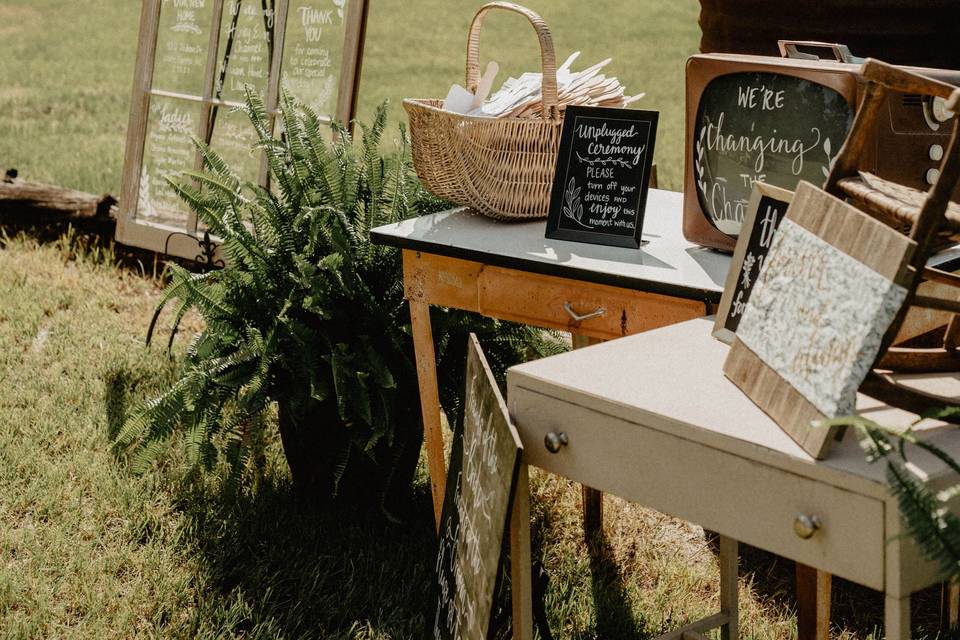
{"points": [[66, 70], [88, 550]]}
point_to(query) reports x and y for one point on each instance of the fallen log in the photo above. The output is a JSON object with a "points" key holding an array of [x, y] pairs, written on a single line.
{"points": [[35, 202]]}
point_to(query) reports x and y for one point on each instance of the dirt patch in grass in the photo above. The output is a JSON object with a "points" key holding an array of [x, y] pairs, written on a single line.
{"points": [[13, 18]]}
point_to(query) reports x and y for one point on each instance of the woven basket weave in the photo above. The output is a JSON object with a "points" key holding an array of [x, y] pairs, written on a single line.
{"points": [[501, 167]]}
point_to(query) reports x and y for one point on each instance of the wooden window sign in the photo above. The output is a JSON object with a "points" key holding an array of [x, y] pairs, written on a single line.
{"points": [[481, 482], [194, 59], [833, 282], [766, 208]]}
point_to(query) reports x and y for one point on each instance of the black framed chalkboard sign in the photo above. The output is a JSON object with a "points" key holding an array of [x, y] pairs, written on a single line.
{"points": [[765, 210], [603, 175]]}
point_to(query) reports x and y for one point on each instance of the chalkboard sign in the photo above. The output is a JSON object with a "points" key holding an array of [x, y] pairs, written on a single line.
{"points": [[767, 207], [602, 177], [480, 485], [762, 127]]}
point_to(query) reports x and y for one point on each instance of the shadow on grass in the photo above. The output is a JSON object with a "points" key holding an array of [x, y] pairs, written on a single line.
{"points": [[275, 568], [855, 609], [612, 611], [267, 565]]}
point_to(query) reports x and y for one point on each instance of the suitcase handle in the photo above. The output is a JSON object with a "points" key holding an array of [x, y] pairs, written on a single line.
{"points": [[788, 49]]}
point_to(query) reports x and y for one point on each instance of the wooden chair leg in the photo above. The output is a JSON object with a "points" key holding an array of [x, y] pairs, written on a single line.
{"points": [[949, 606], [886, 390], [952, 338], [813, 603]]}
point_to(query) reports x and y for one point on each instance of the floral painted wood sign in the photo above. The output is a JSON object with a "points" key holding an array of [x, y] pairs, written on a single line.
{"points": [[833, 282]]}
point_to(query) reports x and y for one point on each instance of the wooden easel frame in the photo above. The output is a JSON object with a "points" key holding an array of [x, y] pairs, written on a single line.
{"points": [[185, 241]]}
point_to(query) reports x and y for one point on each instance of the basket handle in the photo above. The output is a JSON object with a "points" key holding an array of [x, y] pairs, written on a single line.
{"points": [[547, 55]]}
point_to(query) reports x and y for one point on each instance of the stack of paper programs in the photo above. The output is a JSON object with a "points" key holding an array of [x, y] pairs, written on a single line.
{"points": [[522, 97]]}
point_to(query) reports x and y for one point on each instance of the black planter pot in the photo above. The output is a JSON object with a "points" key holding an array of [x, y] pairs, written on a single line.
{"points": [[317, 446]]}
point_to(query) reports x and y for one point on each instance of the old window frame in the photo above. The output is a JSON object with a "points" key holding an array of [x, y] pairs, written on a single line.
{"points": [[186, 241]]}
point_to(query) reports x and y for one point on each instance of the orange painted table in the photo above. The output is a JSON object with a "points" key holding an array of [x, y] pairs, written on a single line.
{"points": [[509, 271]]}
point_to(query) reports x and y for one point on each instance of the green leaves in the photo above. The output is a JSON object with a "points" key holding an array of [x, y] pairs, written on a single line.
{"points": [[305, 310], [924, 509], [308, 312]]}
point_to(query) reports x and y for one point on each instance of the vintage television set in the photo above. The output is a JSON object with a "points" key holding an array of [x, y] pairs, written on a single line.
{"points": [[782, 120]]}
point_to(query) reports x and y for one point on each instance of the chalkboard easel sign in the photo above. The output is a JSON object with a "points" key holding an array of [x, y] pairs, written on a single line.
{"points": [[603, 175], [767, 207], [481, 481]]}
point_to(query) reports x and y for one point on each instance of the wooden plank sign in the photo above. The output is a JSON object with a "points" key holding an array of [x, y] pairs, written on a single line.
{"points": [[476, 509], [768, 205], [603, 175], [834, 280]]}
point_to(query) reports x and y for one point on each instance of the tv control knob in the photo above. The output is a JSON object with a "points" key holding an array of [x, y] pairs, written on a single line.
{"points": [[939, 109], [936, 152], [554, 441], [932, 176]]}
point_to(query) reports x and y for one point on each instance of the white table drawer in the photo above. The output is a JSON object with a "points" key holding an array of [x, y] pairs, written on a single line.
{"points": [[752, 502]]}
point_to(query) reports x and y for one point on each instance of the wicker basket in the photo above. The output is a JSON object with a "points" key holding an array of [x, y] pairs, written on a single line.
{"points": [[501, 167]]}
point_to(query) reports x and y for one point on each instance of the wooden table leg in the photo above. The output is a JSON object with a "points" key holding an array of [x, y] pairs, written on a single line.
{"points": [[949, 604], [896, 617], [521, 579], [729, 588], [592, 498], [429, 401], [813, 603], [592, 512]]}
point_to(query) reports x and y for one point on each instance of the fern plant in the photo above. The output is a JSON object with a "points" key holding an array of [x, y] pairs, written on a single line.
{"points": [[925, 511], [308, 314]]}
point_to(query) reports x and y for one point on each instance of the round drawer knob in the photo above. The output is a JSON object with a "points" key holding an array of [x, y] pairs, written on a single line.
{"points": [[805, 526], [554, 441]]}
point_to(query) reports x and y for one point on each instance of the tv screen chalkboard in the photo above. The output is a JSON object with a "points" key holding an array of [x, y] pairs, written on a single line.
{"points": [[768, 206], [602, 177], [762, 127]]}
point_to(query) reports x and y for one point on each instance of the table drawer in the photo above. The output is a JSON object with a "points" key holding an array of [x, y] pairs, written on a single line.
{"points": [[744, 499], [551, 302]]}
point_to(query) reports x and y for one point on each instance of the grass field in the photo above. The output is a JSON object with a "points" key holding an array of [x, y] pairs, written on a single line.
{"points": [[88, 550], [66, 70]]}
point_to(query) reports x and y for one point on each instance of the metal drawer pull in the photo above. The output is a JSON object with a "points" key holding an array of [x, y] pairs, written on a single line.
{"points": [[805, 526], [580, 318], [554, 441]]}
